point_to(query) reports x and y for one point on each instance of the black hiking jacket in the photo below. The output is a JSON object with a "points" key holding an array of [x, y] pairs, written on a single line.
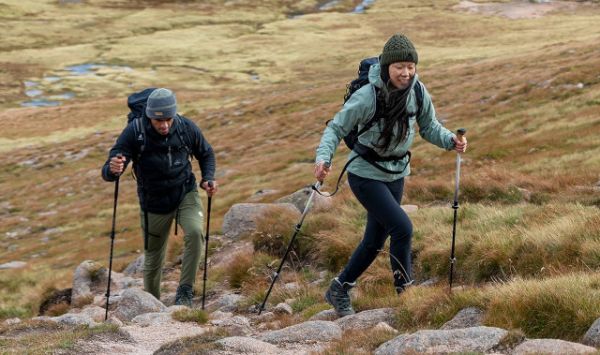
{"points": [[163, 170]]}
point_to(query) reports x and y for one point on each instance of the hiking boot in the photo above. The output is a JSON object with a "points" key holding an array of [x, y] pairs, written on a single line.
{"points": [[403, 287], [339, 297], [184, 295]]}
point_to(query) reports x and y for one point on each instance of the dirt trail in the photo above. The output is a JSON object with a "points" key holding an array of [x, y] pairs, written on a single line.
{"points": [[146, 340]]}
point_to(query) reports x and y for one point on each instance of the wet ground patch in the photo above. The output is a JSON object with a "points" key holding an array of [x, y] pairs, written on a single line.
{"points": [[51, 89]]}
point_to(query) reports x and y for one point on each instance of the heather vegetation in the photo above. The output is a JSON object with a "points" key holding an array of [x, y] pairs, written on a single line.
{"points": [[261, 78]]}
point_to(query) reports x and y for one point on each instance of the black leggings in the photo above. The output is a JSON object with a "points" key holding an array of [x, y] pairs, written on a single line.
{"points": [[384, 217]]}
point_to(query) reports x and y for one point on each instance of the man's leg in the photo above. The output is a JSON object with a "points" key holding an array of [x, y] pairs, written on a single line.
{"points": [[159, 226], [191, 219]]}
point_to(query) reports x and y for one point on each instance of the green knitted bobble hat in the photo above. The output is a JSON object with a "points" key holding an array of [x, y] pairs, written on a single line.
{"points": [[398, 49]]}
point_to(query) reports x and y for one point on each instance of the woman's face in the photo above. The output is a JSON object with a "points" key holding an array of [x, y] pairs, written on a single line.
{"points": [[401, 73]]}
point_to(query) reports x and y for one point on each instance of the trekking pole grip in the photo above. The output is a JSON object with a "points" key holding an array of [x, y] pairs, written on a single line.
{"points": [[460, 134]]}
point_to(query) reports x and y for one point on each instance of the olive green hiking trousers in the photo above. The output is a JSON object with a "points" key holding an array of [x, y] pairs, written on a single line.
{"points": [[191, 219]]}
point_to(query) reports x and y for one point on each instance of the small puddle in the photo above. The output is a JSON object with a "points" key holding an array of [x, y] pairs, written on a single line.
{"points": [[33, 92], [40, 103], [92, 68], [363, 6], [51, 83]]}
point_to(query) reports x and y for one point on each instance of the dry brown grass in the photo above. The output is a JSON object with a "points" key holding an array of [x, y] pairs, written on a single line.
{"points": [[516, 89]]}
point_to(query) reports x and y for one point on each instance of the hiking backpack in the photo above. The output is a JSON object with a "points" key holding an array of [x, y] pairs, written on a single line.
{"points": [[137, 113], [361, 80]]}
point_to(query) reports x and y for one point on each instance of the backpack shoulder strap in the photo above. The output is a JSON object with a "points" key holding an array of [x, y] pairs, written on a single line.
{"points": [[139, 128], [419, 93], [375, 117], [184, 136]]}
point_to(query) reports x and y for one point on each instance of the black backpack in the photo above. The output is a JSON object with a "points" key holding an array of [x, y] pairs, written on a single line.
{"points": [[137, 113], [362, 80]]}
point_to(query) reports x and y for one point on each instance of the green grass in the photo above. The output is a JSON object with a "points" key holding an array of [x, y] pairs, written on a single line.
{"points": [[191, 315], [42, 338]]}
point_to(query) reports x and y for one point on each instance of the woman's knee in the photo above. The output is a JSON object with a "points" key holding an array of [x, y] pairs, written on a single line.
{"points": [[402, 229]]}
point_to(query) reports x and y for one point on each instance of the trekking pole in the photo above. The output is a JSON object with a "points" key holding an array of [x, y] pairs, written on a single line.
{"points": [[460, 135], [112, 240], [210, 183], [296, 231]]}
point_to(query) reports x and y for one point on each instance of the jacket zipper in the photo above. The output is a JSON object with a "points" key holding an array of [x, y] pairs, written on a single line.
{"points": [[169, 155]]}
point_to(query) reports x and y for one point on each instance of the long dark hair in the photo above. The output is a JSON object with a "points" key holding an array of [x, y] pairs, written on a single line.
{"points": [[394, 113]]}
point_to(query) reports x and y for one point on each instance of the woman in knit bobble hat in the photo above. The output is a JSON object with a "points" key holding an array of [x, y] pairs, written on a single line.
{"points": [[391, 95]]}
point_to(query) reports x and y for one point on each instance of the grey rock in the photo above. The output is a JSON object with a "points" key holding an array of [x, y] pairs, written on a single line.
{"points": [[136, 267], [155, 318], [13, 265], [86, 274], [237, 325], [43, 319], [95, 312], [229, 322], [229, 302], [100, 300], [283, 308], [478, 339], [383, 326], [328, 314], [12, 321], [291, 287], [300, 197], [174, 308], [366, 319], [220, 315], [592, 336], [247, 345], [241, 218], [311, 331], [115, 321], [74, 319], [265, 317], [410, 208], [466, 318], [552, 346], [135, 302]]}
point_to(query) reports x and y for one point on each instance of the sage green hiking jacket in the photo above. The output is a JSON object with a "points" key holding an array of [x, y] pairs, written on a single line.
{"points": [[359, 109]]}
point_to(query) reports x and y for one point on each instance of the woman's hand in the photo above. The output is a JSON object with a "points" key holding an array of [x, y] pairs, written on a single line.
{"points": [[322, 170], [460, 146]]}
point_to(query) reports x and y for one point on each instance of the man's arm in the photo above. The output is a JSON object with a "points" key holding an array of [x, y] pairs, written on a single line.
{"points": [[124, 146]]}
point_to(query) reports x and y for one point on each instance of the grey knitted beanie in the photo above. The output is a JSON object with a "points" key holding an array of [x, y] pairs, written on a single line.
{"points": [[398, 49], [161, 104]]}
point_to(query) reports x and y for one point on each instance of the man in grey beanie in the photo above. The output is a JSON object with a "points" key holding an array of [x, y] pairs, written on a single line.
{"points": [[160, 144]]}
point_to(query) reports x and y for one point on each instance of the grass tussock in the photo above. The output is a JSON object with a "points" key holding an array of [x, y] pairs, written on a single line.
{"points": [[358, 342], [34, 337], [499, 243], [190, 315], [274, 232], [563, 307], [200, 344]]}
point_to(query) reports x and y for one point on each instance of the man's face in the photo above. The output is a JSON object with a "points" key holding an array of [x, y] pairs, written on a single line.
{"points": [[162, 125], [401, 73]]}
